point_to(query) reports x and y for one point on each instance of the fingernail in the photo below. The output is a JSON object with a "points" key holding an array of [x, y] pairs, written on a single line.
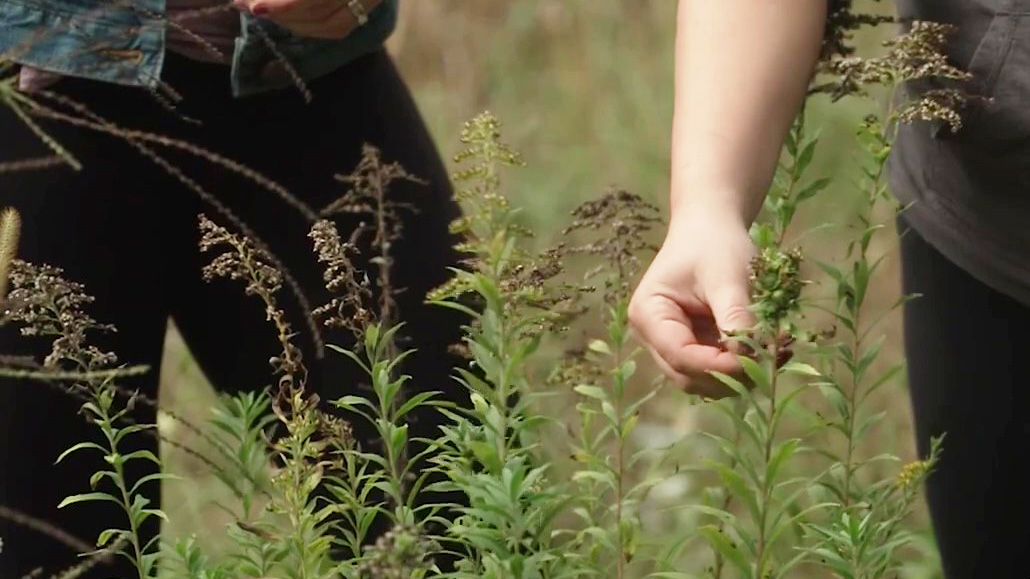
{"points": [[259, 9]]}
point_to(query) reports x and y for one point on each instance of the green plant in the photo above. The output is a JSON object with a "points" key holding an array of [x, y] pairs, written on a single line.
{"points": [[45, 304], [543, 498]]}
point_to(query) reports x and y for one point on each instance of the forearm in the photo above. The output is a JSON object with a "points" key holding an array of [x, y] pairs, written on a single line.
{"points": [[742, 70]]}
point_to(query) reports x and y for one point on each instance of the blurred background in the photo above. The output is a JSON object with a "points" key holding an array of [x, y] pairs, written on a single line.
{"points": [[584, 88]]}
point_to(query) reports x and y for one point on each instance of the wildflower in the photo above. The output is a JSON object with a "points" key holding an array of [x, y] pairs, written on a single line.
{"points": [[776, 284], [912, 474], [398, 554]]}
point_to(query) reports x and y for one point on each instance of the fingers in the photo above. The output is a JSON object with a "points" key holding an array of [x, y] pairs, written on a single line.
{"points": [[328, 19], [702, 385], [294, 9], [730, 304], [664, 326]]}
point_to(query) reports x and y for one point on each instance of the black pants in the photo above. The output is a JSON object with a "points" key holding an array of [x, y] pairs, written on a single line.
{"points": [[127, 230], [964, 343]]}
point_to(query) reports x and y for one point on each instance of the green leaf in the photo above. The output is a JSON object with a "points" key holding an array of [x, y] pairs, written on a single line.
{"points": [[141, 455], [108, 534], [349, 402], [868, 357], [884, 378], [731, 382], [755, 372], [416, 401], [350, 354], [868, 423], [87, 497], [601, 347], [486, 453], [801, 369], [399, 437], [591, 392], [782, 453], [837, 399], [154, 513], [737, 486], [721, 543], [763, 234], [95, 479], [813, 188], [626, 371], [804, 158], [78, 447], [152, 477]]}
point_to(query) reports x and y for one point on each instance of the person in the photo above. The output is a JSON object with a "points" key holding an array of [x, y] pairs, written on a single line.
{"points": [[742, 70], [126, 227]]}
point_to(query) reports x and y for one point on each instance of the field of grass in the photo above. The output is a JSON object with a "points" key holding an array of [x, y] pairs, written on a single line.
{"points": [[585, 90]]}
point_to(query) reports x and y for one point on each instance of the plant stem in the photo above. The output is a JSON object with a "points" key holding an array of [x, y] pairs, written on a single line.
{"points": [[763, 548], [720, 561], [856, 312], [620, 447]]}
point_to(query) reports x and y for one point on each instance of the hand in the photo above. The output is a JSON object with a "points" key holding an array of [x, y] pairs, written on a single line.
{"points": [[694, 291], [328, 19]]}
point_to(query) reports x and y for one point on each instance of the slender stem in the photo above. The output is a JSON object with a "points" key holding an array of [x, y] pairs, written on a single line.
{"points": [[620, 448], [720, 561], [856, 313], [119, 480], [767, 486]]}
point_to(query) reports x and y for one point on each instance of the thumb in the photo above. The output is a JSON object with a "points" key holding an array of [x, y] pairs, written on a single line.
{"points": [[729, 301]]}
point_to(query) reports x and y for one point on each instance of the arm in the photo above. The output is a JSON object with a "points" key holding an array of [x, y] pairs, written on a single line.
{"points": [[742, 69]]}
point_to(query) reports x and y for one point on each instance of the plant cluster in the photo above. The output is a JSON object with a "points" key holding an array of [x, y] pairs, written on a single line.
{"points": [[541, 497]]}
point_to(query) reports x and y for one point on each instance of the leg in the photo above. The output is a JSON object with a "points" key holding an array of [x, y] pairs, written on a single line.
{"points": [[964, 343], [303, 147], [99, 226]]}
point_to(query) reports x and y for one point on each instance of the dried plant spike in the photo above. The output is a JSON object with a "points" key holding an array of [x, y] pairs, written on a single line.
{"points": [[10, 231], [350, 308], [17, 103], [48, 305], [251, 264], [916, 55], [370, 195]]}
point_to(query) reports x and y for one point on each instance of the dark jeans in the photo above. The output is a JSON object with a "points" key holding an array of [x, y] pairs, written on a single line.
{"points": [[127, 230], [964, 343]]}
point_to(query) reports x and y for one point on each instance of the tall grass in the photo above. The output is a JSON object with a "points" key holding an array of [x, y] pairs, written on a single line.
{"points": [[537, 63]]}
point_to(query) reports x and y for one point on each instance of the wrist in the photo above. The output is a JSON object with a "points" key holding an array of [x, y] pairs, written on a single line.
{"points": [[724, 209]]}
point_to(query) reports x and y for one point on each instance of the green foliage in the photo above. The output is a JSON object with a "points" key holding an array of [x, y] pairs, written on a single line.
{"points": [[542, 498], [49, 306]]}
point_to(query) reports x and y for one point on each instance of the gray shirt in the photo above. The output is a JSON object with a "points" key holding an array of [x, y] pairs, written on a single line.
{"points": [[971, 190]]}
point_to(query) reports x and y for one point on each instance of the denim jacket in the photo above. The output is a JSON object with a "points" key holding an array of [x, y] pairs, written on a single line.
{"points": [[123, 41]]}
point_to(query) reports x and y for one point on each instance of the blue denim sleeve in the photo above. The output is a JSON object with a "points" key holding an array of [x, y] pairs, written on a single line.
{"points": [[256, 68]]}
